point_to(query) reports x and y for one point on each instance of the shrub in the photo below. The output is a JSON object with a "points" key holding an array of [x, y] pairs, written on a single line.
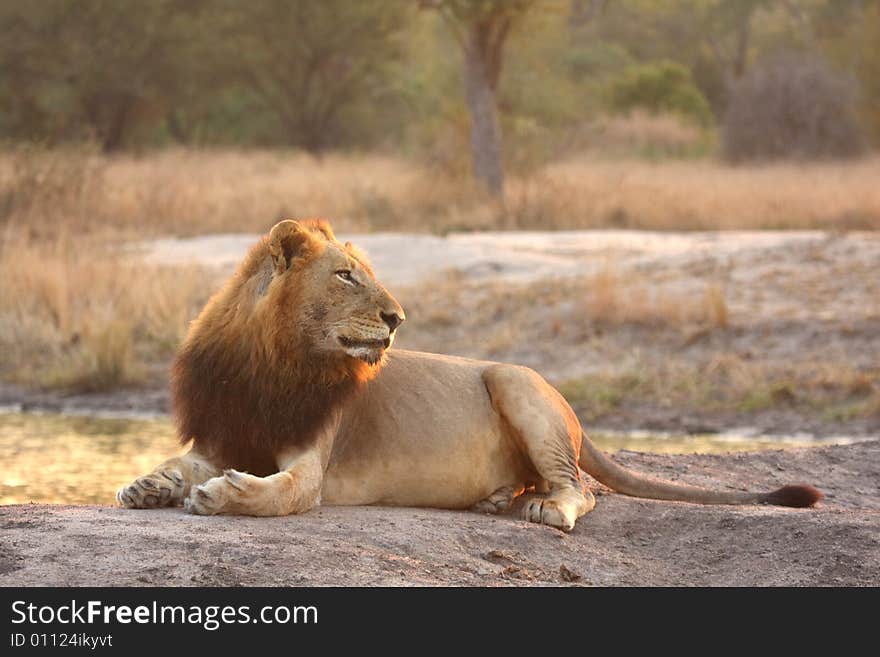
{"points": [[792, 106], [660, 87]]}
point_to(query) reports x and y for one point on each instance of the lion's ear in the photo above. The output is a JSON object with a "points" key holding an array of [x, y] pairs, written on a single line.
{"points": [[287, 240]]}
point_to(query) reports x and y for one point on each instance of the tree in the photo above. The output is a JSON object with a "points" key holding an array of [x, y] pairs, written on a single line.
{"points": [[792, 105], [662, 86], [308, 61], [848, 32], [729, 34], [481, 28], [98, 64], [717, 39], [22, 60]]}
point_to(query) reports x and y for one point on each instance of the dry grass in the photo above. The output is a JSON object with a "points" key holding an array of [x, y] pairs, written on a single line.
{"points": [[613, 300], [726, 382], [644, 134], [715, 306], [701, 195], [78, 313], [446, 315], [192, 192]]}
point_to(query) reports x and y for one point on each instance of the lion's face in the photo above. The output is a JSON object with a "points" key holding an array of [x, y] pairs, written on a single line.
{"points": [[341, 307], [348, 309]]}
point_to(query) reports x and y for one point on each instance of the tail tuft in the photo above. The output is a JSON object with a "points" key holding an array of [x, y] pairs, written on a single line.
{"points": [[798, 495]]}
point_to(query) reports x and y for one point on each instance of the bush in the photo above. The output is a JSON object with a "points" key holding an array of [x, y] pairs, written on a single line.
{"points": [[792, 106], [661, 88]]}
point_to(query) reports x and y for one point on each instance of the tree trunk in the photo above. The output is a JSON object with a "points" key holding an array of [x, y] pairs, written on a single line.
{"points": [[742, 47], [110, 117], [482, 51], [176, 128]]}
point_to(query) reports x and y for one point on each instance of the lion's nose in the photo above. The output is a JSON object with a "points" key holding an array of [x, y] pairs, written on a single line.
{"points": [[392, 319]]}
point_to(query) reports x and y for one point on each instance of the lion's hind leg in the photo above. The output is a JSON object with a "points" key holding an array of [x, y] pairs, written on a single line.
{"points": [[499, 501], [559, 508], [169, 484], [548, 432]]}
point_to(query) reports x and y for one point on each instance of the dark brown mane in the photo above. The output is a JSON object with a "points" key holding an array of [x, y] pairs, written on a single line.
{"points": [[242, 421]]}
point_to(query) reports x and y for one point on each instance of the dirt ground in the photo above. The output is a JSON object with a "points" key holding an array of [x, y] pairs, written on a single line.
{"points": [[624, 542]]}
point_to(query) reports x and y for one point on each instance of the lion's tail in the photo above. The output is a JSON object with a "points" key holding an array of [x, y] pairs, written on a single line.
{"points": [[597, 464]]}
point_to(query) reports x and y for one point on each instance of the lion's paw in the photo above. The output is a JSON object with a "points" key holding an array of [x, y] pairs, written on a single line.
{"points": [[154, 490], [547, 511], [499, 501], [227, 494]]}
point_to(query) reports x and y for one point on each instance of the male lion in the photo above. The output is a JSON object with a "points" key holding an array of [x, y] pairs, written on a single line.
{"points": [[285, 377]]}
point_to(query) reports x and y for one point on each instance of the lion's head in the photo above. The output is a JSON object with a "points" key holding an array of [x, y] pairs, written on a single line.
{"points": [[292, 335], [325, 293]]}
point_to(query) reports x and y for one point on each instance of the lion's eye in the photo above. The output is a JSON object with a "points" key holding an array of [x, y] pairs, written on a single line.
{"points": [[345, 276]]}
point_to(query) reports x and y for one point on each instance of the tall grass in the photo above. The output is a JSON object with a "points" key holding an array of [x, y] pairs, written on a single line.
{"points": [[192, 192], [703, 195], [79, 313], [612, 300]]}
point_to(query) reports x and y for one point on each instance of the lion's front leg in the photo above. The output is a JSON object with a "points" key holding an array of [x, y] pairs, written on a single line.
{"points": [[168, 484], [295, 489]]}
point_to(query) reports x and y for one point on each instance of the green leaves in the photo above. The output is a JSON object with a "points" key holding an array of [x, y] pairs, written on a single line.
{"points": [[660, 87]]}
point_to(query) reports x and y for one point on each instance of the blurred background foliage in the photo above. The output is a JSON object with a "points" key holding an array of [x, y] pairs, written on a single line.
{"points": [[387, 74]]}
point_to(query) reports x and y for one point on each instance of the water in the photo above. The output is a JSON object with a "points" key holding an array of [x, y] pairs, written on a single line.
{"points": [[84, 459], [77, 460]]}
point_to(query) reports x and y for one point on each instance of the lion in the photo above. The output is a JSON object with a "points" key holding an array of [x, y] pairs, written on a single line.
{"points": [[291, 396]]}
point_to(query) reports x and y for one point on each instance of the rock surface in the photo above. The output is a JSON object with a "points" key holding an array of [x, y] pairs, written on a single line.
{"points": [[402, 259], [624, 541]]}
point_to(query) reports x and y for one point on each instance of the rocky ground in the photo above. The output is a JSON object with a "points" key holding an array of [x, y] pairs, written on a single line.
{"points": [[623, 542]]}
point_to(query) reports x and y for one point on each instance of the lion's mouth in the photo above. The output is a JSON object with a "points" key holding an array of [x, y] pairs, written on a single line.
{"points": [[351, 343]]}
